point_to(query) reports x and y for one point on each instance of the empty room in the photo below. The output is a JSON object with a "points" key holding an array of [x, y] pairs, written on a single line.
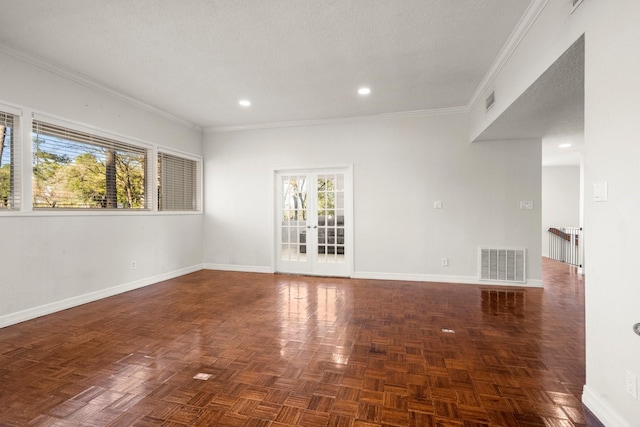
{"points": [[318, 213]]}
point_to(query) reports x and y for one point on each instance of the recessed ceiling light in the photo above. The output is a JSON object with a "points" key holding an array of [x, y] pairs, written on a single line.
{"points": [[566, 145], [364, 91], [245, 102]]}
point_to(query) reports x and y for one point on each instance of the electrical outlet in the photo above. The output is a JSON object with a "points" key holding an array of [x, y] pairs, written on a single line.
{"points": [[445, 262], [631, 384], [133, 265]]}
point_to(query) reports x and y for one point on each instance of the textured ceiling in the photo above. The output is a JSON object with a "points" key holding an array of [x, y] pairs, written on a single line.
{"points": [[551, 109], [295, 59]]}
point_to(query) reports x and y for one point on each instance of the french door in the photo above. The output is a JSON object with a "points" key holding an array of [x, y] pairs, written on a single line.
{"points": [[314, 222]]}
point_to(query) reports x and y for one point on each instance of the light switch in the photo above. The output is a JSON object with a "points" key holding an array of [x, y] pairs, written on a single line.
{"points": [[600, 192], [526, 205], [437, 204]]}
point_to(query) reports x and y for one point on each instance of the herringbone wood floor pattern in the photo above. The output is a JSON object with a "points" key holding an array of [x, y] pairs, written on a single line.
{"points": [[300, 351]]}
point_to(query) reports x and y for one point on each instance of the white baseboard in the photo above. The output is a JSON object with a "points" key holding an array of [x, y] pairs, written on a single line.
{"points": [[384, 276], [239, 268], [600, 409], [441, 278], [377, 275], [32, 313]]}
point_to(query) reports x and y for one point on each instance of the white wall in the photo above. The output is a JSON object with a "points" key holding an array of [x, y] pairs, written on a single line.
{"points": [[612, 150], [560, 200], [612, 129], [49, 262], [401, 166]]}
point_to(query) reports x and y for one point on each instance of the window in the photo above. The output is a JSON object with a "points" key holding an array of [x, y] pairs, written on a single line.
{"points": [[77, 170], [178, 183], [9, 162]]}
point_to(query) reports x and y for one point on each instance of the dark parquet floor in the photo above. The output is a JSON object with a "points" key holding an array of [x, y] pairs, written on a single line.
{"points": [[276, 350]]}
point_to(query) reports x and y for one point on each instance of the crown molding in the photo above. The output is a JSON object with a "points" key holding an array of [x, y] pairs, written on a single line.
{"points": [[354, 119], [524, 25], [86, 81]]}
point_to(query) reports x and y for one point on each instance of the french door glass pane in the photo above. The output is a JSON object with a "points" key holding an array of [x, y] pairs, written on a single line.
{"points": [[330, 202], [293, 216]]}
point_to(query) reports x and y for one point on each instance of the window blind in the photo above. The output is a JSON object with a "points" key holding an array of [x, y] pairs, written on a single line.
{"points": [[10, 165], [178, 183], [76, 170]]}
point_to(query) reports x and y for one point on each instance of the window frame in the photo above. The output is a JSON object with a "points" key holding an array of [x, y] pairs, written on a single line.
{"points": [[99, 134], [15, 160], [198, 182], [24, 159]]}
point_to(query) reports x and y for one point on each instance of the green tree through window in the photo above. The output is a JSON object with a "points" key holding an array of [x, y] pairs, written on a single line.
{"points": [[9, 198], [326, 196], [73, 169]]}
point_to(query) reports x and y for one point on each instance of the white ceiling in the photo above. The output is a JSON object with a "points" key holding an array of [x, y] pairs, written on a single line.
{"points": [[296, 60]]}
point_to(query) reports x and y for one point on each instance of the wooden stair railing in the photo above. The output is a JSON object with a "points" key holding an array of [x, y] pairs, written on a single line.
{"points": [[563, 235]]}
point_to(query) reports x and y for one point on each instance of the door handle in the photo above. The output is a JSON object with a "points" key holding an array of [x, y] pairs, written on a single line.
{"points": [[315, 226]]}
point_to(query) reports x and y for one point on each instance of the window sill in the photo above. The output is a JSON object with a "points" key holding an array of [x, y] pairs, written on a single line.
{"points": [[92, 213]]}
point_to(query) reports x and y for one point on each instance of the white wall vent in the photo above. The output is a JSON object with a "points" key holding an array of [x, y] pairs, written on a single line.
{"points": [[488, 103], [503, 265], [575, 4]]}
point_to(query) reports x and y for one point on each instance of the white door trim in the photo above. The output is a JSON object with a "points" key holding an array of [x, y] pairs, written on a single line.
{"points": [[349, 211]]}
